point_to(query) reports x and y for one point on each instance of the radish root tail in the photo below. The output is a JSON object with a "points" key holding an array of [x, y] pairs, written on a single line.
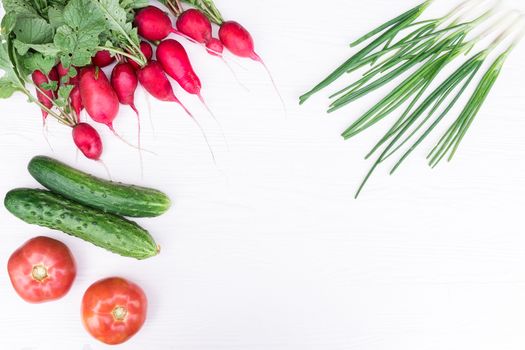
{"points": [[106, 169], [235, 75], [148, 104], [175, 31], [257, 58], [205, 138], [215, 119], [185, 109], [139, 142], [127, 142], [45, 131]]}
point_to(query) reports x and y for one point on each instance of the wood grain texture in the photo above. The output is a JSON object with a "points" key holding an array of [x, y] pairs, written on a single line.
{"points": [[269, 250]]}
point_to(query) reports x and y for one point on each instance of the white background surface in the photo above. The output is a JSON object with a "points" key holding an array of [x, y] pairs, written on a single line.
{"points": [[270, 251]]}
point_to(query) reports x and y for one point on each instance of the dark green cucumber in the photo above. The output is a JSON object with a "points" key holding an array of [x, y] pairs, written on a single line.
{"points": [[105, 230], [110, 197]]}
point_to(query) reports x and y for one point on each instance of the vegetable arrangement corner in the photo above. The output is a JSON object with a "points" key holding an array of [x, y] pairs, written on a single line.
{"points": [[422, 49], [59, 48], [55, 52], [92, 209]]}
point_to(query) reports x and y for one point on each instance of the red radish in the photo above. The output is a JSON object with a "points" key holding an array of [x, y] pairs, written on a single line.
{"points": [[237, 39], [215, 47], [54, 76], [45, 97], [124, 81], [64, 72], [76, 79], [175, 62], [239, 42], [147, 50], [102, 59], [88, 140], [155, 81], [99, 98], [76, 101], [153, 24], [195, 25]]}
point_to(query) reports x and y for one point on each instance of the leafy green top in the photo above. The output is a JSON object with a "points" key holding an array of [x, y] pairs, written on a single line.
{"points": [[37, 34]]}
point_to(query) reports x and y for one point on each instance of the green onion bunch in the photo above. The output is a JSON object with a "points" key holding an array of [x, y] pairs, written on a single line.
{"points": [[421, 50]]}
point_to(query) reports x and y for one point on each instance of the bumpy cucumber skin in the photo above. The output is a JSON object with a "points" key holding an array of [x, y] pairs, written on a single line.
{"points": [[110, 197], [105, 230]]}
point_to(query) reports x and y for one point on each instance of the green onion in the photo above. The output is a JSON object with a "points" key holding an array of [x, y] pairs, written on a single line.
{"points": [[390, 28], [430, 49], [452, 138], [450, 141], [426, 47]]}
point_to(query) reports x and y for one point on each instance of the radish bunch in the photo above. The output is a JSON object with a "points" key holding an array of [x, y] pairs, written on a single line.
{"points": [[153, 24], [45, 95], [85, 137], [118, 62]]}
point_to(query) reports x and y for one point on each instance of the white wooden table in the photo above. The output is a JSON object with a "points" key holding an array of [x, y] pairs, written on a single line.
{"points": [[269, 250]]}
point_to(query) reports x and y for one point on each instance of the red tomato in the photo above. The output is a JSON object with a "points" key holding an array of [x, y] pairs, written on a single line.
{"points": [[43, 269], [113, 310]]}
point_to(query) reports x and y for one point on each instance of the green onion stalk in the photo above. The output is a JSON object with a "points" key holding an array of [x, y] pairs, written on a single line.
{"points": [[407, 45], [417, 41], [449, 143], [461, 79], [441, 42], [467, 70], [447, 51], [424, 48], [389, 31]]}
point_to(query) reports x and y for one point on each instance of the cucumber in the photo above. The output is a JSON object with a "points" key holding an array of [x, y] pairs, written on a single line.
{"points": [[110, 197], [105, 230]]}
